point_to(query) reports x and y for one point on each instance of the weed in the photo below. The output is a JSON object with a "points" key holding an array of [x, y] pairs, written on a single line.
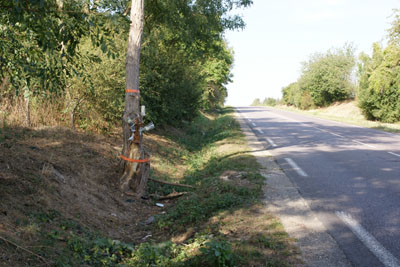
{"points": [[224, 232], [218, 253], [46, 216]]}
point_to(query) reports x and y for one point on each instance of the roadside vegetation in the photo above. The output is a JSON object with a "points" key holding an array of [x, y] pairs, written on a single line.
{"points": [[62, 89], [69, 56], [337, 76], [64, 208], [268, 101]]}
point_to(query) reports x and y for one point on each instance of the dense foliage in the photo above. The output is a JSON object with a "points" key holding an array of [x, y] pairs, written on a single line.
{"points": [[379, 83], [268, 101], [73, 52], [38, 39], [325, 78], [379, 78]]}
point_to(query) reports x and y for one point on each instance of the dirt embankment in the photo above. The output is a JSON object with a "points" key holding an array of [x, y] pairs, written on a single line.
{"points": [[60, 202], [55, 170]]}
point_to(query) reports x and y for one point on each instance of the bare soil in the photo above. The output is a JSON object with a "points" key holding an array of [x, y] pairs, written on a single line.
{"points": [[74, 174]]}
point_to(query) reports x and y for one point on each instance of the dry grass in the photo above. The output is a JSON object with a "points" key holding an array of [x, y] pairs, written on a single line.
{"points": [[256, 235], [259, 237], [73, 173], [43, 113], [48, 170], [167, 161]]}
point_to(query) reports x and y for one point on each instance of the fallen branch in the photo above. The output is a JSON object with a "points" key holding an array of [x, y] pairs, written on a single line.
{"points": [[169, 196], [173, 184], [26, 250]]}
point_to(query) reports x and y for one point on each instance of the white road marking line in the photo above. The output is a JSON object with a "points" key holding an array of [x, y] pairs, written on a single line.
{"points": [[271, 142], [249, 119], [369, 241], [253, 124], [361, 143], [336, 134], [296, 167], [260, 131], [322, 130], [281, 116], [394, 154]]}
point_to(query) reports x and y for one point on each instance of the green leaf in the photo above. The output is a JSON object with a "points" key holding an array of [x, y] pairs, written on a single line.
{"points": [[103, 47]]}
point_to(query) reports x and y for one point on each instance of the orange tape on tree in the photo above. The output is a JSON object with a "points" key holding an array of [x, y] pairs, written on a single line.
{"points": [[134, 160], [132, 91]]}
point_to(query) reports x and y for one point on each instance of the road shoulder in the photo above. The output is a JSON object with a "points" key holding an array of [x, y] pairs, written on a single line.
{"points": [[283, 199]]}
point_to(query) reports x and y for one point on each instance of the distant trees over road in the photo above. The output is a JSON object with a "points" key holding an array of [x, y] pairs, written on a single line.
{"points": [[337, 75]]}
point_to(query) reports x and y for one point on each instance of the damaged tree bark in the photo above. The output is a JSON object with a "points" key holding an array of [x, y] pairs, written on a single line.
{"points": [[137, 166]]}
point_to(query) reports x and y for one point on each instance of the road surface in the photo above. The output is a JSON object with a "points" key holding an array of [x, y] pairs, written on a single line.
{"points": [[349, 176]]}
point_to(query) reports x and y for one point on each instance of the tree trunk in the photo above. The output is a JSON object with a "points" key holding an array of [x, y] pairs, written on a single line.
{"points": [[73, 111], [135, 173], [28, 111]]}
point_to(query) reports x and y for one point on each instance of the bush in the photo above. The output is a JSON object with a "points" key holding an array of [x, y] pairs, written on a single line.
{"points": [[218, 253], [325, 78], [379, 83], [256, 102], [171, 88], [291, 94], [306, 101], [269, 101]]}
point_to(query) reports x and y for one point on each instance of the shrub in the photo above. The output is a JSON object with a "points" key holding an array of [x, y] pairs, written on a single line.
{"points": [[269, 101], [379, 83], [325, 78]]}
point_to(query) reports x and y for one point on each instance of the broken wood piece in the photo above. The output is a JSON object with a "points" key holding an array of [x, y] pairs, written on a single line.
{"points": [[26, 250], [173, 184], [169, 196], [183, 237]]}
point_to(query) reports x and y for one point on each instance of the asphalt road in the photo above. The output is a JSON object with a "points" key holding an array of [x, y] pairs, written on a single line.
{"points": [[349, 176]]}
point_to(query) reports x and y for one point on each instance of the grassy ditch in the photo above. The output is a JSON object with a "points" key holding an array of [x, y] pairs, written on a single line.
{"points": [[220, 222]]}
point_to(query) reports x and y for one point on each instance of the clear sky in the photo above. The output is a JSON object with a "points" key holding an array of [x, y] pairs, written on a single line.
{"points": [[280, 34]]}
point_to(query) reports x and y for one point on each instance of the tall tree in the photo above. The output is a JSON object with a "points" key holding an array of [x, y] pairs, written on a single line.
{"points": [[136, 167], [190, 28]]}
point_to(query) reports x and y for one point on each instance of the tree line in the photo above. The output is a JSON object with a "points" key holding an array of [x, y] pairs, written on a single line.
{"points": [[70, 54], [337, 75]]}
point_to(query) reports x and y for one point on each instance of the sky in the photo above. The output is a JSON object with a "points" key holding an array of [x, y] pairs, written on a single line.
{"points": [[280, 34]]}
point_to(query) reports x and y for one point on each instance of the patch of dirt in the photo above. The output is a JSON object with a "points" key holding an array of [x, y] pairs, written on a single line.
{"points": [[236, 178], [75, 174]]}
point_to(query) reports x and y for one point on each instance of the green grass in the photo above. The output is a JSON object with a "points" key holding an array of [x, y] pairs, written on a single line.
{"points": [[227, 222], [206, 164], [216, 203]]}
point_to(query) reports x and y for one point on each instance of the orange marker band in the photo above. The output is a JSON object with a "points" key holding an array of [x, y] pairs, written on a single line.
{"points": [[132, 91], [134, 160]]}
